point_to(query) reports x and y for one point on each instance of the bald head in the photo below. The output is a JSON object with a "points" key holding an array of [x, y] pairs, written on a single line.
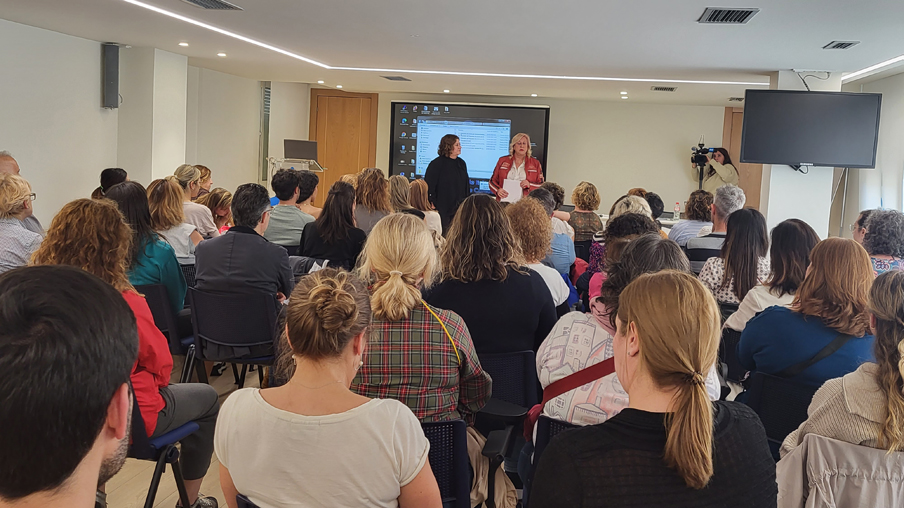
{"points": [[8, 164]]}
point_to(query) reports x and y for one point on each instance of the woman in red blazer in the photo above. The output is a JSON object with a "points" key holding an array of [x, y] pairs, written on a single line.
{"points": [[518, 165]]}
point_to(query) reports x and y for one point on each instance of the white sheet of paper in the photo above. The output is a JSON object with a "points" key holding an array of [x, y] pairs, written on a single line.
{"points": [[513, 187]]}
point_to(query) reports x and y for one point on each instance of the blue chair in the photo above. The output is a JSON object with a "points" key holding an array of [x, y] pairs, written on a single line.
{"points": [[514, 377], [546, 428], [449, 461], [232, 323], [728, 354], [162, 450], [244, 502], [188, 271], [781, 405], [158, 301]]}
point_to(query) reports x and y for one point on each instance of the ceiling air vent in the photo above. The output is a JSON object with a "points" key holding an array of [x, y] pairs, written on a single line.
{"points": [[218, 5], [735, 99], [395, 78], [840, 44], [663, 88], [727, 16]]}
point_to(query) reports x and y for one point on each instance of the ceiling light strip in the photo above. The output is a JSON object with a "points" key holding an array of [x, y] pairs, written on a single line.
{"points": [[861, 72], [435, 72]]}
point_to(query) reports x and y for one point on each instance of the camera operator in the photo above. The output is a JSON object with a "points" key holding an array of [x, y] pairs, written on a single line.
{"points": [[717, 171]]}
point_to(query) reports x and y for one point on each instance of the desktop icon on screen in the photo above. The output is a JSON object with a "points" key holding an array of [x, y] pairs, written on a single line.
{"points": [[413, 121], [403, 148], [403, 134], [414, 134], [405, 108], [404, 120], [426, 108], [435, 108], [413, 148], [412, 162], [447, 109]]}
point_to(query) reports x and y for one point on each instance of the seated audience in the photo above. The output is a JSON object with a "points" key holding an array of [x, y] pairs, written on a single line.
{"points": [[67, 345], [399, 193], [789, 254], [372, 198], [858, 228], [219, 201], [420, 355], [697, 213], [584, 219], [286, 220], [151, 260], [829, 304], [506, 306], [334, 235], [168, 219], [188, 177], [742, 261], [656, 205], [17, 242], [561, 251], [884, 240], [9, 166], [320, 443], [242, 261], [206, 181], [691, 451], [727, 200], [637, 191], [308, 181], [624, 227], [351, 179], [866, 407], [418, 199], [630, 204], [91, 235], [532, 231], [108, 178], [558, 195]]}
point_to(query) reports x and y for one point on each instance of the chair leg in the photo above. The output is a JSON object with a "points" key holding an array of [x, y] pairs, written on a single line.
{"points": [[260, 374], [186, 367], [491, 484], [180, 484], [235, 374], [155, 481], [199, 368], [242, 378]]}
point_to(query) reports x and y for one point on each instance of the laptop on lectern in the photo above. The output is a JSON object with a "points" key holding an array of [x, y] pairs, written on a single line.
{"points": [[299, 149]]}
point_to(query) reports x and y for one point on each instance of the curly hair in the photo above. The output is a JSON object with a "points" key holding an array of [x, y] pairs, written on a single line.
{"points": [[351, 179], [532, 228], [480, 244], [307, 184], [372, 191], [446, 145], [698, 206], [585, 197], [885, 233], [886, 302], [90, 234], [558, 193], [14, 192], [629, 224]]}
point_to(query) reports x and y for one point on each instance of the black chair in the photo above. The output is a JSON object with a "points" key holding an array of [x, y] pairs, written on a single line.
{"points": [[728, 354], [781, 405], [162, 310], [225, 324], [244, 502], [292, 250], [449, 461], [546, 429], [514, 377], [727, 309], [188, 271], [582, 249], [161, 450]]}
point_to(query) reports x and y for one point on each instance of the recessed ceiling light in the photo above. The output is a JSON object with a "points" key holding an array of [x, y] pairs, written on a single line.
{"points": [[221, 54], [338, 86], [445, 91], [320, 82], [183, 44], [624, 93], [533, 95], [422, 71], [624, 96]]}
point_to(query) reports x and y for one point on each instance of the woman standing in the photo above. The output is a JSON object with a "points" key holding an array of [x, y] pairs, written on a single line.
{"points": [[189, 177], [447, 179], [518, 165], [717, 172]]}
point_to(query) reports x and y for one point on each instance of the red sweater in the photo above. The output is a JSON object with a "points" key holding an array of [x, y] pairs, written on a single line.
{"points": [[154, 365], [532, 169]]}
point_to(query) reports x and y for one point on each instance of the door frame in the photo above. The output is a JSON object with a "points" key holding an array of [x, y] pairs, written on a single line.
{"points": [[316, 93]]}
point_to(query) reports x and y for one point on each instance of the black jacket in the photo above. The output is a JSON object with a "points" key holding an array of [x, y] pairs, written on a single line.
{"points": [[447, 186]]}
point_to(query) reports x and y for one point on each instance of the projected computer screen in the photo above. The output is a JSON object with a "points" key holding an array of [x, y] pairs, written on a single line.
{"points": [[484, 130]]}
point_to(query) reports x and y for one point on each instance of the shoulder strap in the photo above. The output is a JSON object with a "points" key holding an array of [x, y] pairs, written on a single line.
{"points": [[578, 379], [448, 335], [833, 346]]}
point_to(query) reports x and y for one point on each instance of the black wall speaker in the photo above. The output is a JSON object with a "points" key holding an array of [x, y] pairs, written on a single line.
{"points": [[111, 75]]}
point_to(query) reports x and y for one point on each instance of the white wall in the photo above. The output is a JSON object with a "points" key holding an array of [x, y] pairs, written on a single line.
{"points": [[289, 114], [615, 145], [136, 113], [170, 88], [53, 121]]}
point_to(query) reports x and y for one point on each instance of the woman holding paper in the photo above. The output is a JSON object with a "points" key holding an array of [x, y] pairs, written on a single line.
{"points": [[518, 166]]}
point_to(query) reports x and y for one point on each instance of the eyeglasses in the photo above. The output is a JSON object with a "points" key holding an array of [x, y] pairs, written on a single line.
{"points": [[854, 227], [32, 196]]}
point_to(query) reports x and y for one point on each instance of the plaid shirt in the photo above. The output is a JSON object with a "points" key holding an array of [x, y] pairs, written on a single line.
{"points": [[413, 361]]}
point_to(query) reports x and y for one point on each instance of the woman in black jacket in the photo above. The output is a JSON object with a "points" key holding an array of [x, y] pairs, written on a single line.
{"points": [[447, 179]]}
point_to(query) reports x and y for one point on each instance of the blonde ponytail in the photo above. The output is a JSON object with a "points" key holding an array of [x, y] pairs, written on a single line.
{"points": [[678, 348]]}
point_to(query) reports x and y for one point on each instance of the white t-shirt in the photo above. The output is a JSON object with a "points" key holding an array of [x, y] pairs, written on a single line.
{"points": [[179, 238], [434, 223], [279, 459], [554, 280], [201, 217], [757, 300]]}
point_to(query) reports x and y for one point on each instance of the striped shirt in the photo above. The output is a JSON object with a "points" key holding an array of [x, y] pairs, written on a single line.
{"points": [[16, 244], [701, 248]]}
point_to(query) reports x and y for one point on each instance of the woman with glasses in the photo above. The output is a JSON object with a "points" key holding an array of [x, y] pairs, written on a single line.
{"points": [[16, 241]]}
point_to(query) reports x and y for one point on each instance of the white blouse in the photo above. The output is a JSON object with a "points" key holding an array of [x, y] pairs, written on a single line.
{"points": [[714, 270], [517, 172]]}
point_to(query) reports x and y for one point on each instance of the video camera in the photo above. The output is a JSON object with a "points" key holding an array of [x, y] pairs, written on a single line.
{"points": [[699, 154]]}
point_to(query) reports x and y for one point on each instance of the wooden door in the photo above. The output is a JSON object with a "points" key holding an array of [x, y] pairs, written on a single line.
{"points": [[345, 127], [751, 175]]}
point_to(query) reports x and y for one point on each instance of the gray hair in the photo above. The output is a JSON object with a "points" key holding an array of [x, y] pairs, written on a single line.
{"points": [[4, 153], [885, 233], [728, 199], [631, 204]]}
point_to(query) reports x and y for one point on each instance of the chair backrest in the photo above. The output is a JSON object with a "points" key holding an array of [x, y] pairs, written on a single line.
{"points": [[781, 404], [547, 428], [291, 250], [727, 309], [728, 353], [582, 249], [159, 303], [188, 271], [514, 376], [449, 460], [244, 502], [243, 320]]}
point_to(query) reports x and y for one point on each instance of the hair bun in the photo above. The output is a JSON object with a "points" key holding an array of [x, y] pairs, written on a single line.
{"points": [[335, 308]]}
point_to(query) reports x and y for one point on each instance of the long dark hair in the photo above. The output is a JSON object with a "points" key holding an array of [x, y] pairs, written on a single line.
{"points": [[746, 241], [724, 153], [792, 241], [132, 200], [337, 217], [108, 178]]}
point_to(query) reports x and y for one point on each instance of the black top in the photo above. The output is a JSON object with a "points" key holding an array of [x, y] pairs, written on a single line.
{"points": [[618, 463], [503, 317], [240, 262], [447, 186], [342, 254]]}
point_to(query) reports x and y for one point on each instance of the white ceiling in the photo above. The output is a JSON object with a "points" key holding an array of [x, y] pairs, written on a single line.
{"points": [[656, 39]]}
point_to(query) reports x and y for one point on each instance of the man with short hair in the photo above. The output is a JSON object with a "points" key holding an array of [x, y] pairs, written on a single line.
{"points": [[727, 200], [286, 220], [10, 166], [68, 342], [561, 255]]}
